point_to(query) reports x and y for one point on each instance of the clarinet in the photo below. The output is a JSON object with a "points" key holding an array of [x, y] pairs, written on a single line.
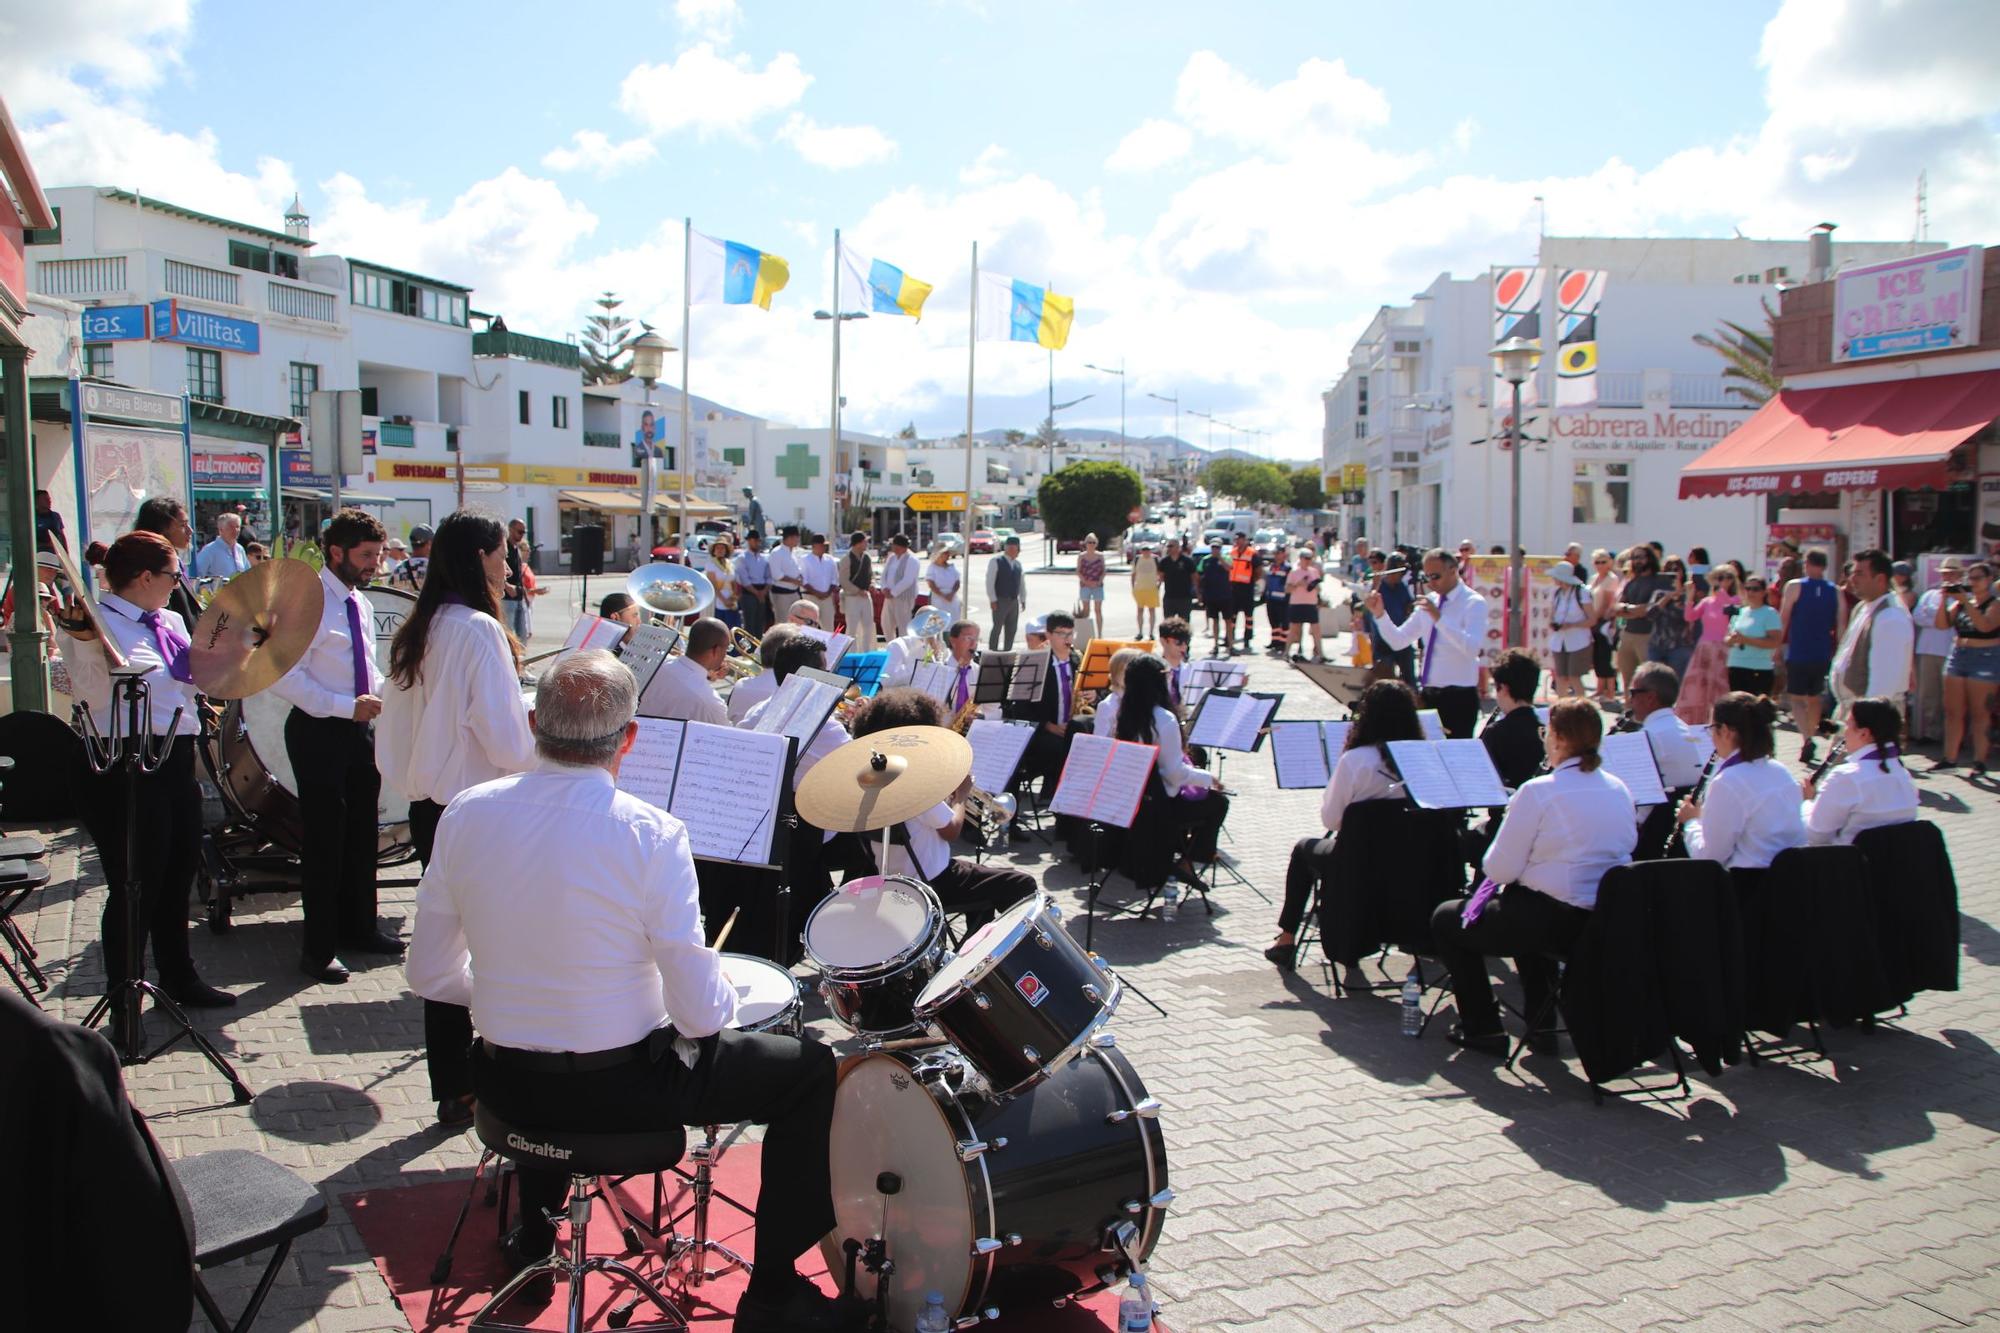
{"points": [[1700, 786], [1834, 754], [1626, 722]]}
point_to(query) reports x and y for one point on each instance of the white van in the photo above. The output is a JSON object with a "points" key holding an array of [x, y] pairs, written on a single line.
{"points": [[1227, 525]]}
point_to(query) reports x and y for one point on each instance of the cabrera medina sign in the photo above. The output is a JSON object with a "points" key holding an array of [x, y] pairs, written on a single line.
{"points": [[1929, 303], [198, 328]]}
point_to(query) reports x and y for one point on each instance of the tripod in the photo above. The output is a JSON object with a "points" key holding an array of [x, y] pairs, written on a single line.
{"points": [[133, 750]]}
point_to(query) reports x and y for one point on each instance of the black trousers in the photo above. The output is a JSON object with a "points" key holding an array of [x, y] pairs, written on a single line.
{"points": [[447, 1027], [1045, 756], [980, 891], [756, 613], [783, 1083], [1202, 822], [1751, 680], [169, 820], [333, 759], [1523, 924], [1457, 708], [1311, 858]]}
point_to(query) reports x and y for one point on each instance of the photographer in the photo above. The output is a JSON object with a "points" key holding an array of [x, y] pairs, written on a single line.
{"points": [[1302, 595], [1972, 667]]}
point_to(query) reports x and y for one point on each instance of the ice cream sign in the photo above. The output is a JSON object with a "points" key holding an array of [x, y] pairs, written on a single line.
{"points": [[1928, 303]]}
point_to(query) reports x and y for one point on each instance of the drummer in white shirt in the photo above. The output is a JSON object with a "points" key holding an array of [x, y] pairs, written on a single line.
{"points": [[1750, 810], [1387, 712], [452, 718], [1868, 791], [1562, 832]]}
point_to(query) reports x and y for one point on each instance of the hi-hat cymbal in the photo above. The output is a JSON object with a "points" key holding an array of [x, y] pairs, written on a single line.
{"points": [[885, 778], [256, 629]]}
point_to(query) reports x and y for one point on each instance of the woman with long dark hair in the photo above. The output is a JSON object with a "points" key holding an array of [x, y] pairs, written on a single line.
{"points": [[452, 718], [1183, 810], [1387, 712]]}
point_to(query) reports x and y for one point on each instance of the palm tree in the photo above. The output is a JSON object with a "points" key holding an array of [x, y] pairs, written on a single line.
{"points": [[1748, 357]]}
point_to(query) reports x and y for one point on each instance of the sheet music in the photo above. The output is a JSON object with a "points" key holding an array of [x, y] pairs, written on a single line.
{"points": [[836, 643], [1211, 674], [1448, 775], [1231, 721], [1433, 725], [997, 748], [1628, 756], [1336, 741], [1299, 755], [646, 651], [647, 771], [800, 707], [727, 791], [593, 632], [1104, 779], [935, 679]]}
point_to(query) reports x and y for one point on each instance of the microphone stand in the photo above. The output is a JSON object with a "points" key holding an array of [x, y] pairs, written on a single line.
{"points": [[132, 750]]}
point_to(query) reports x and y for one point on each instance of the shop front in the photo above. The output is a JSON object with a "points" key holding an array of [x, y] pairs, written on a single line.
{"points": [[232, 481]]}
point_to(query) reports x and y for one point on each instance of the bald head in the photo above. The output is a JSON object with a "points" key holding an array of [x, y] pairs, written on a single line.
{"points": [[708, 642]]}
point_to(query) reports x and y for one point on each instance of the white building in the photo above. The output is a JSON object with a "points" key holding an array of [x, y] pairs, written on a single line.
{"points": [[1413, 407]]}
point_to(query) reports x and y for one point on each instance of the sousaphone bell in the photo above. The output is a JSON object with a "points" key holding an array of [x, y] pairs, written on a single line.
{"points": [[928, 623], [677, 592]]}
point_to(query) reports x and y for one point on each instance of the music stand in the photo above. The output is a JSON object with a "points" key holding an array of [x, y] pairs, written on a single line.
{"points": [[1218, 867], [131, 751]]}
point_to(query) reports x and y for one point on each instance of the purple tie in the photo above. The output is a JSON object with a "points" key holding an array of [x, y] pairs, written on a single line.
{"points": [[1062, 697], [1430, 646], [960, 705], [358, 641], [173, 648], [1174, 685]]}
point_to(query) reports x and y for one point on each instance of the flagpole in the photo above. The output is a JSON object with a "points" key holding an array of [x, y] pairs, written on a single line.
{"points": [[833, 417], [687, 305], [971, 358]]}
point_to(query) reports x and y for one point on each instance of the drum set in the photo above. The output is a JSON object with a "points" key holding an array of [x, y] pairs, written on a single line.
{"points": [[990, 1141]]}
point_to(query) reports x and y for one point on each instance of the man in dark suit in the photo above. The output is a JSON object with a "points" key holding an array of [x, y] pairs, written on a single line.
{"points": [[1049, 746]]}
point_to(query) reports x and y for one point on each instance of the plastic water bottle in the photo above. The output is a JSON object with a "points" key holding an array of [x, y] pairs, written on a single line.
{"points": [[934, 1319], [1170, 903], [1135, 1309], [1413, 1004]]}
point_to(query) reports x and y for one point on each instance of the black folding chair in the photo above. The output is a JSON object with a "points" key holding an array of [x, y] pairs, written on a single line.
{"points": [[1915, 896], [1810, 946], [1393, 863]]}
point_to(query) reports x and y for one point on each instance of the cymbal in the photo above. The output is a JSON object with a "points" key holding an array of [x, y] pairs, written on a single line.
{"points": [[885, 778], [256, 629]]}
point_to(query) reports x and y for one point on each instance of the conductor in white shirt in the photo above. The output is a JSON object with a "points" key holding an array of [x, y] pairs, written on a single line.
{"points": [[452, 718], [1877, 653], [899, 587], [224, 558], [336, 694], [563, 913], [1562, 832], [681, 688], [1450, 621]]}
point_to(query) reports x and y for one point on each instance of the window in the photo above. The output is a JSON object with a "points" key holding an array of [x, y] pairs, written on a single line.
{"points": [[284, 265], [527, 412], [1601, 493], [371, 405], [204, 374], [97, 361], [382, 292], [305, 379], [559, 412], [242, 254]]}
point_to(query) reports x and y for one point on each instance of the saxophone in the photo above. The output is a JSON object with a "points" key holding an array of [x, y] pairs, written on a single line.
{"points": [[966, 717]]}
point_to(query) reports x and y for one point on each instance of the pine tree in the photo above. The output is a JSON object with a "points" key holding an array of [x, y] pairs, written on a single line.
{"points": [[607, 339]]}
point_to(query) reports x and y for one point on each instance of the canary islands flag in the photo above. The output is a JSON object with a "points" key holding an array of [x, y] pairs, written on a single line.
{"points": [[887, 289], [729, 273], [1014, 311]]}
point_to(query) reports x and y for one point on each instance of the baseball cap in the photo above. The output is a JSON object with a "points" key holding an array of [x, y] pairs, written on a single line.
{"points": [[1037, 625], [423, 532]]}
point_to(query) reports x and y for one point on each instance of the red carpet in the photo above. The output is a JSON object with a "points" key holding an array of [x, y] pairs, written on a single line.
{"points": [[405, 1229]]}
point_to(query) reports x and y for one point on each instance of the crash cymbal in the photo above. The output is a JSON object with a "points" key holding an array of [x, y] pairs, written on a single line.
{"points": [[875, 781], [256, 629]]}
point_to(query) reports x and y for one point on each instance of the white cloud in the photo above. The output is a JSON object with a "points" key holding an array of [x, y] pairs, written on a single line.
{"points": [[990, 165], [711, 93], [713, 19], [1463, 133], [836, 147], [593, 151], [128, 45], [1221, 102], [1154, 144]]}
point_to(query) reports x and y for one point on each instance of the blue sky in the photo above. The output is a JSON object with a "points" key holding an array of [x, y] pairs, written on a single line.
{"points": [[1228, 193]]}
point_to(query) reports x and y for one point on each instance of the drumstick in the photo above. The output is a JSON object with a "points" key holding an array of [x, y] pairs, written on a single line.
{"points": [[727, 926], [905, 1043]]}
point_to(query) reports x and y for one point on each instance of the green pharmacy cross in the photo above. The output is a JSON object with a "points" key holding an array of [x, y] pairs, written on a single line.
{"points": [[798, 465]]}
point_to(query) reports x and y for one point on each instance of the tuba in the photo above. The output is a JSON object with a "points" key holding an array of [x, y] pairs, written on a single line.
{"points": [[676, 592]]}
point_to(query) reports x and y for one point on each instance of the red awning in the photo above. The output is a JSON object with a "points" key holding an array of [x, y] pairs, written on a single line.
{"points": [[1897, 434]]}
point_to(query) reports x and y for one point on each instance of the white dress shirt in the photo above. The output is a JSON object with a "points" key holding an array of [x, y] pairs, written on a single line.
{"points": [[1749, 814], [785, 568], [322, 684], [820, 575], [899, 575], [1892, 638], [680, 689], [830, 737], [749, 692], [1360, 774], [90, 674], [1562, 831], [1931, 641], [1105, 721], [1171, 762], [1451, 655], [1858, 795], [463, 722], [1676, 748], [221, 560], [927, 845], [565, 914], [904, 652]]}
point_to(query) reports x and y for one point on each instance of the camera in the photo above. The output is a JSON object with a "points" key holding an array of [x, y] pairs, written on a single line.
{"points": [[1955, 587]]}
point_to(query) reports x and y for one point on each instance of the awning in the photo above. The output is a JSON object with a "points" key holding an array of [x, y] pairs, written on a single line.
{"points": [[627, 502], [347, 497], [1897, 434]]}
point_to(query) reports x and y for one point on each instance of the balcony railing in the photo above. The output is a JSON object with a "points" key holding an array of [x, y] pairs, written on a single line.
{"points": [[80, 277], [302, 303], [204, 284], [546, 350], [396, 433], [1703, 391], [1621, 388], [598, 439]]}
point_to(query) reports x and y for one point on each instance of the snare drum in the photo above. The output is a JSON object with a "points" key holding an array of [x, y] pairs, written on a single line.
{"points": [[876, 943], [1022, 999], [767, 996]]}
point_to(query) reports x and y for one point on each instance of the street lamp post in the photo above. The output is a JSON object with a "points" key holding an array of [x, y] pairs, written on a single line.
{"points": [[1122, 443], [1176, 401], [649, 356], [1048, 537], [1517, 357], [833, 451]]}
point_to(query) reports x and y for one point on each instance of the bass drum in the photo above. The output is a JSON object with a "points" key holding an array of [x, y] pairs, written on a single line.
{"points": [[999, 1203], [257, 773]]}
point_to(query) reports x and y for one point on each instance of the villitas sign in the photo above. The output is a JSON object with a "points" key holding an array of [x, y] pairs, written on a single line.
{"points": [[1926, 304]]}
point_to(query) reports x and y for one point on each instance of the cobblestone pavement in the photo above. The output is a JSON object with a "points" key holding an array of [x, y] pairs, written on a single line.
{"points": [[1331, 1172]]}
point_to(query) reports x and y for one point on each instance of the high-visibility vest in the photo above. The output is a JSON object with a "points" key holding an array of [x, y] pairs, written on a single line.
{"points": [[1242, 569]]}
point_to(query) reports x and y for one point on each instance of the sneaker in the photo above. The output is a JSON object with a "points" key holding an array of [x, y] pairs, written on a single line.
{"points": [[1808, 753], [1494, 1044]]}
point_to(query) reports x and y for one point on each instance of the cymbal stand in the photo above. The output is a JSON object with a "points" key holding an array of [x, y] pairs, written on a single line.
{"points": [[133, 750]]}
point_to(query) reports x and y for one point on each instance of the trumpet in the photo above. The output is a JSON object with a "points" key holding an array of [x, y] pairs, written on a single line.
{"points": [[990, 813]]}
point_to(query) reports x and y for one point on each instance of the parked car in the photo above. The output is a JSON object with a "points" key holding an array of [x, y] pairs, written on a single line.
{"points": [[1269, 540], [1000, 535], [951, 539], [1137, 537], [1067, 545], [1176, 511], [983, 542]]}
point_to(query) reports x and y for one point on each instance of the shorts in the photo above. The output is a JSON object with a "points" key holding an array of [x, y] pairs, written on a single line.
{"points": [[1752, 680], [1147, 597], [1808, 679], [1305, 613], [1090, 594], [1242, 599], [1973, 661], [1571, 662]]}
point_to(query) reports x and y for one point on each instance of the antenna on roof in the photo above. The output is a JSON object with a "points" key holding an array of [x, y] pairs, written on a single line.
{"points": [[1923, 229]]}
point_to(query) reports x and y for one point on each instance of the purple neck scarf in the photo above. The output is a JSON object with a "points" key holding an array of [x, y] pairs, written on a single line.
{"points": [[173, 646]]}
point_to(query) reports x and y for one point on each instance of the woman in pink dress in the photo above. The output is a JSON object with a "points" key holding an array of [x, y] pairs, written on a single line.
{"points": [[1708, 670]]}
